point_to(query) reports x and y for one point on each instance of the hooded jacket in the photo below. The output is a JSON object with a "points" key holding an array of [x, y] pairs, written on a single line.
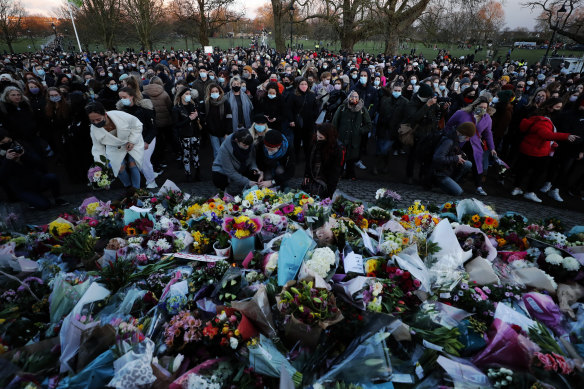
{"points": [[162, 104], [227, 163], [539, 133], [351, 123]]}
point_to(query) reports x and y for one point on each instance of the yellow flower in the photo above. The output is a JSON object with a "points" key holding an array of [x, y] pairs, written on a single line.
{"points": [[91, 208], [447, 206], [236, 332], [364, 224], [194, 209], [220, 207], [241, 219], [239, 234], [372, 265], [476, 218], [297, 210]]}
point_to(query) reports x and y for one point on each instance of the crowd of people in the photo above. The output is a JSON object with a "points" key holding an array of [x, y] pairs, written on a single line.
{"points": [[262, 113]]}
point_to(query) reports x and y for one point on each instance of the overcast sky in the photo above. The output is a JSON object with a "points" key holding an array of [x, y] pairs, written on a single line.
{"points": [[515, 15]]}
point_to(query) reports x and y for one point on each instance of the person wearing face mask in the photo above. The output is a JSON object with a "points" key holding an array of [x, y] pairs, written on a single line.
{"points": [[224, 81], [421, 114], [259, 128], [272, 106], [202, 82], [46, 79], [117, 136], [241, 106], [163, 121], [108, 96], [481, 145], [336, 97], [302, 111], [57, 120], [324, 166], [251, 80], [35, 92], [536, 147], [370, 97], [449, 163], [218, 117], [143, 109], [187, 128], [391, 107], [352, 121], [275, 157], [235, 168]]}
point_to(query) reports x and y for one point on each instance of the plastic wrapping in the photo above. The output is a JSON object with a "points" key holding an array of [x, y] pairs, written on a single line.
{"points": [[266, 359], [257, 309], [543, 308], [242, 247], [292, 251], [95, 375], [472, 340], [450, 257], [463, 373], [473, 207], [133, 370], [120, 304], [64, 297], [409, 260], [487, 245]]}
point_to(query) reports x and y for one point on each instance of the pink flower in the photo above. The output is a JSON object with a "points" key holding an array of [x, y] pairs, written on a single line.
{"points": [[481, 293], [399, 272], [153, 200], [93, 223], [417, 283], [232, 318]]}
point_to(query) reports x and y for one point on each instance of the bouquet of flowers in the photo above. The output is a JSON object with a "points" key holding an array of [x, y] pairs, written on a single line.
{"points": [[223, 330], [100, 174], [383, 295], [558, 266], [241, 227], [393, 243], [183, 329], [386, 198], [273, 225], [139, 226], [321, 261], [485, 223]]}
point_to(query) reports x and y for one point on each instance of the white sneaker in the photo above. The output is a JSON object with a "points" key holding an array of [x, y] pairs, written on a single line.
{"points": [[481, 191], [555, 194], [152, 185], [532, 196], [360, 165], [516, 192], [546, 187]]}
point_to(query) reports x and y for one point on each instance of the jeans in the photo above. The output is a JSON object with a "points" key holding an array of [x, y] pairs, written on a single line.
{"points": [[133, 178], [147, 168], [383, 146], [450, 184], [36, 198], [216, 144]]}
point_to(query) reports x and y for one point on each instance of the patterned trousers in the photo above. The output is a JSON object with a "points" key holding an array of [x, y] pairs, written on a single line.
{"points": [[190, 153]]}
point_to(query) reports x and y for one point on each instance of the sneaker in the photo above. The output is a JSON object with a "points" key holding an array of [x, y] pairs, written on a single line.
{"points": [[395, 153], [61, 202], [360, 165], [179, 158], [163, 166], [402, 152], [151, 185], [532, 196], [546, 187], [516, 192], [481, 191], [555, 194]]}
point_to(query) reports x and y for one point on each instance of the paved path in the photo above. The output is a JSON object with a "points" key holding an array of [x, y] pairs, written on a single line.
{"points": [[571, 211]]}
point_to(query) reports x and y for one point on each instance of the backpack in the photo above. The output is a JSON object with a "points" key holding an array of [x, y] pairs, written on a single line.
{"points": [[427, 145]]}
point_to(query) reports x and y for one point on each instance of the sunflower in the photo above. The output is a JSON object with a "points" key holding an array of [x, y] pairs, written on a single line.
{"points": [[447, 206], [220, 207], [405, 241], [364, 224], [212, 205], [476, 218], [489, 221]]}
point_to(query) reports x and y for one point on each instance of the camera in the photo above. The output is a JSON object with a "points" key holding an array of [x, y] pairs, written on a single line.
{"points": [[16, 148]]}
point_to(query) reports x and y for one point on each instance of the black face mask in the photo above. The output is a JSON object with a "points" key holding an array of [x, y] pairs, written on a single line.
{"points": [[236, 88], [100, 124]]}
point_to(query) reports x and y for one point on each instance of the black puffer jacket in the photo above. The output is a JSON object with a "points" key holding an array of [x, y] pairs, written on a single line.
{"points": [[144, 111], [390, 115], [185, 127]]}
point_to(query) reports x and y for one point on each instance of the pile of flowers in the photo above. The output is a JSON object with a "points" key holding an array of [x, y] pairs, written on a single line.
{"points": [[334, 293]]}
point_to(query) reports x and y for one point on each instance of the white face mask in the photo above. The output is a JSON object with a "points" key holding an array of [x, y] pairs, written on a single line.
{"points": [[338, 86]]}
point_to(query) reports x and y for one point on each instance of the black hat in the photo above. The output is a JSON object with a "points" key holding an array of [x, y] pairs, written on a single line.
{"points": [[243, 136], [273, 139], [425, 91], [259, 118]]}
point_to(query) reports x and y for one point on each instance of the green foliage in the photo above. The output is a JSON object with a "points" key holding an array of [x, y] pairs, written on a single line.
{"points": [[79, 244]]}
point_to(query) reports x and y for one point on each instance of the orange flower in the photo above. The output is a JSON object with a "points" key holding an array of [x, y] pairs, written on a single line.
{"points": [[489, 221]]}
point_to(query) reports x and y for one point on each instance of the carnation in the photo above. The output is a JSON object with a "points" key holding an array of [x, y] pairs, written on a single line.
{"points": [[571, 264], [550, 250], [322, 260], [554, 259]]}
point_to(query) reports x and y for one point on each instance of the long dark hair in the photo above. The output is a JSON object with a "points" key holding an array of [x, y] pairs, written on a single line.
{"points": [[331, 135], [544, 110]]}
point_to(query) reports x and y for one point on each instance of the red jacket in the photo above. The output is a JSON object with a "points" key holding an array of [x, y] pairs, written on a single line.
{"points": [[539, 134]]}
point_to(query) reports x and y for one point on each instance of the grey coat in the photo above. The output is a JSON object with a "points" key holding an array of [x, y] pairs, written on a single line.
{"points": [[226, 163]]}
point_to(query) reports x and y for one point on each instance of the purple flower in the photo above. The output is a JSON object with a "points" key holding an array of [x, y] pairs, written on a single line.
{"points": [[486, 290], [464, 286], [455, 298]]}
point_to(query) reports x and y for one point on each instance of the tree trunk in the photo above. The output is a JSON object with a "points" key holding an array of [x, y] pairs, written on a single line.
{"points": [[391, 41], [9, 43], [203, 29], [278, 26]]}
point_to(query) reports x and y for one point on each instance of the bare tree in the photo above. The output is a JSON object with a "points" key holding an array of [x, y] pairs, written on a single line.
{"points": [[569, 24], [105, 15], [207, 15], [11, 18], [145, 15]]}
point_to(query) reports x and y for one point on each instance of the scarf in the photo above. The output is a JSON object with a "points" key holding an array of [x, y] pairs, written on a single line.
{"points": [[246, 107], [240, 154], [280, 153]]}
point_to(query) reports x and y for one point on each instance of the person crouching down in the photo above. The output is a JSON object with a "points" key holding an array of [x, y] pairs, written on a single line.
{"points": [[449, 163], [235, 167], [276, 160]]}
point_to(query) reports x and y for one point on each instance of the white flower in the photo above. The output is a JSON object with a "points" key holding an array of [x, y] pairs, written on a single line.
{"points": [[519, 264], [379, 193], [252, 276], [272, 263], [233, 342], [245, 204], [322, 260], [554, 259], [551, 250], [177, 362], [237, 199], [571, 264], [377, 288], [554, 285]]}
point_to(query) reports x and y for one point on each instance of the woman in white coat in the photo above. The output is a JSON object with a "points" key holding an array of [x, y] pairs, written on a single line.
{"points": [[117, 136]]}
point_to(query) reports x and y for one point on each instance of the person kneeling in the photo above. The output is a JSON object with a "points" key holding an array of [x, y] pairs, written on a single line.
{"points": [[234, 168], [276, 159], [23, 174], [449, 163]]}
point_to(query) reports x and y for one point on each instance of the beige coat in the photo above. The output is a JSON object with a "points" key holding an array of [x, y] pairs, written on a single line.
{"points": [[129, 130]]}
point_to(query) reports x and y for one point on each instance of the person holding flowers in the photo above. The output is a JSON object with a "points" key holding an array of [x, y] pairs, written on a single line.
{"points": [[117, 136]]}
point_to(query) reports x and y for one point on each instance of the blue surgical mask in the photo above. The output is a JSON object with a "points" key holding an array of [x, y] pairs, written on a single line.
{"points": [[354, 76], [271, 96], [114, 87], [363, 80], [203, 75], [442, 87], [396, 94], [187, 98], [220, 79], [41, 72], [211, 77], [126, 102], [215, 95], [34, 91], [68, 75], [260, 127], [243, 89], [413, 81], [55, 99], [376, 82], [110, 74]]}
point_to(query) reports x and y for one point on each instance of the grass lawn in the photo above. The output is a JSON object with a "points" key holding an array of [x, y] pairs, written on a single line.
{"points": [[23, 45], [531, 56]]}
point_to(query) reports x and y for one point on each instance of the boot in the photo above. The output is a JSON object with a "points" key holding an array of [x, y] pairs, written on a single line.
{"points": [[378, 164]]}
